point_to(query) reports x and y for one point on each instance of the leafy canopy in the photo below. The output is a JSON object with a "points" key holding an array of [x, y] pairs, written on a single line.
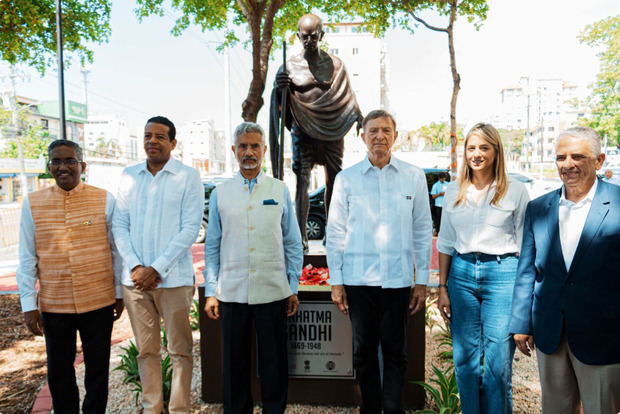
{"points": [[604, 100], [28, 30], [381, 15], [214, 14]]}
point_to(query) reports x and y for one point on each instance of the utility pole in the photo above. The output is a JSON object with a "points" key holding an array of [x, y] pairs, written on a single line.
{"points": [[527, 131], [61, 72], [18, 134], [11, 99], [85, 73], [542, 131]]}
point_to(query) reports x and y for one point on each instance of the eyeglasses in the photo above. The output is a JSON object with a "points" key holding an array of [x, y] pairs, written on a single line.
{"points": [[69, 162]]}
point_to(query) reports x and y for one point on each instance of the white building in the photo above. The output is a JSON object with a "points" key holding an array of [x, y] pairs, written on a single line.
{"points": [[366, 60], [542, 108], [108, 136], [202, 147]]}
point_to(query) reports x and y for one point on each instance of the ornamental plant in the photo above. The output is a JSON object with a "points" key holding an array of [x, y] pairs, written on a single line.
{"points": [[129, 365], [441, 388], [194, 316], [445, 395]]}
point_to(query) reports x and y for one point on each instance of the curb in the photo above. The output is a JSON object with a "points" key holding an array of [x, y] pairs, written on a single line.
{"points": [[43, 401]]}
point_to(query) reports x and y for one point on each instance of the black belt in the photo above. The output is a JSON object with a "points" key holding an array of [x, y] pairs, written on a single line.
{"points": [[483, 257]]}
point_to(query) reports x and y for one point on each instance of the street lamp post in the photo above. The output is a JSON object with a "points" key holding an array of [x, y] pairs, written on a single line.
{"points": [[61, 73]]}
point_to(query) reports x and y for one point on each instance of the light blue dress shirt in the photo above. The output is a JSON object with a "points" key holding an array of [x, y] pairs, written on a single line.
{"points": [[379, 226], [439, 188], [291, 240], [27, 272], [157, 219]]}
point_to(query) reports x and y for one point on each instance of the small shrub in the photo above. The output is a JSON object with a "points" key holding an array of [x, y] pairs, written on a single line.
{"points": [[445, 340], [194, 316], [445, 394], [430, 315], [129, 365]]}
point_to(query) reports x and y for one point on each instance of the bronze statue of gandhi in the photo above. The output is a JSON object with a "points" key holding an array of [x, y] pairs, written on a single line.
{"points": [[320, 109]]}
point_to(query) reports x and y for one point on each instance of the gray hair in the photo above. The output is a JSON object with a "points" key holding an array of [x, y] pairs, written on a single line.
{"points": [[246, 127], [582, 132]]}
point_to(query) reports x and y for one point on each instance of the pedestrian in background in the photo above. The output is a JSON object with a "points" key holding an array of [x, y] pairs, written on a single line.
{"points": [[609, 177], [438, 191], [478, 246]]}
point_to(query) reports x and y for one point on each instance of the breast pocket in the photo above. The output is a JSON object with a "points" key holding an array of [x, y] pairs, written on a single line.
{"points": [[500, 216]]}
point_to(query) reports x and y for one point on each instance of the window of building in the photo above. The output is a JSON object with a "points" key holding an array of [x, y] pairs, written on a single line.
{"points": [[355, 51], [550, 129], [45, 123], [333, 51]]}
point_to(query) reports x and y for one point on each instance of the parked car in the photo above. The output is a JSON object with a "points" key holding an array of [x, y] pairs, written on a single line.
{"points": [[202, 233], [535, 186], [209, 186], [315, 225]]}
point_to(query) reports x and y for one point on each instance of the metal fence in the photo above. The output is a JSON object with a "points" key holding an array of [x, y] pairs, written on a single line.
{"points": [[9, 226]]}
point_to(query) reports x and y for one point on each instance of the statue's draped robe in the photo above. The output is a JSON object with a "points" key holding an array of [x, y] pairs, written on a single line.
{"points": [[328, 118]]}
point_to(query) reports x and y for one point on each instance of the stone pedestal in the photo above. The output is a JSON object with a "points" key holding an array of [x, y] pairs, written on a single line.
{"points": [[319, 391]]}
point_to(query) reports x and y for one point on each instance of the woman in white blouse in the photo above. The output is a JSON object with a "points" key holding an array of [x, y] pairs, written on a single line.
{"points": [[479, 242]]}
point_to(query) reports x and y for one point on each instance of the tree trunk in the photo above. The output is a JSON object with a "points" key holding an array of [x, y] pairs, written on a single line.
{"points": [[254, 100], [261, 48], [456, 87]]}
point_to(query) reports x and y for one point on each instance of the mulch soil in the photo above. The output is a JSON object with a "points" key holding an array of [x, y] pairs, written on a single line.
{"points": [[22, 359]]}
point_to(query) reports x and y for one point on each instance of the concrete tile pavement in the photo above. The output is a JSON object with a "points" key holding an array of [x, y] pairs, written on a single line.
{"points": [[9, 260]]}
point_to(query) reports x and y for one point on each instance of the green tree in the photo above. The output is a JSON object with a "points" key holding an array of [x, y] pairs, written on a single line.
{"points": [[34, 142], [406, 13], [604, 100], [28, 29], [512, 139], [106, 148], [437, 135], [267, 22]]}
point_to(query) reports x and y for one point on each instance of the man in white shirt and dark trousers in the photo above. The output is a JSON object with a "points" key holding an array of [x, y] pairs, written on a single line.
{"points": [[158, 214], [254, 258], [567, 293], [379, 230]]}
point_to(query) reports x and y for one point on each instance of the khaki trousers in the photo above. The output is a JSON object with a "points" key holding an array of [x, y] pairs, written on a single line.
{"points": [[565, 381], [145, 310]]}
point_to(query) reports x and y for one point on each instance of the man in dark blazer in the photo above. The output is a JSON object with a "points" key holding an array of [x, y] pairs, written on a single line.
{"points": [[567, 293]]}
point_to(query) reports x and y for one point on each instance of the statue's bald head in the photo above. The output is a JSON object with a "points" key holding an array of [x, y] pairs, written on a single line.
{"points": [[310, 32], [310, 22]]}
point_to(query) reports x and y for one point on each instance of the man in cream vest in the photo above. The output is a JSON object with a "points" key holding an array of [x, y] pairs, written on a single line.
{"points": [[65, 244], [254, 257]]}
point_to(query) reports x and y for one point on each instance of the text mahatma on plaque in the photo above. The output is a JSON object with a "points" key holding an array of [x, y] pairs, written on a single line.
{"points": [[319, 342]]}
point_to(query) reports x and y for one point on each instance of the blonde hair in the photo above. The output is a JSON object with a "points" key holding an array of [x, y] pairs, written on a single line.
{"points": [[490, 135]]}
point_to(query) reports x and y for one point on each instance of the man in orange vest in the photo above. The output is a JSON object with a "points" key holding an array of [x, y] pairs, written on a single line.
{"points": [[66, 243]]}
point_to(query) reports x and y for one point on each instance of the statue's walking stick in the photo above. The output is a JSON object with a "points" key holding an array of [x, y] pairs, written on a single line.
{"points": [[282, 120]]}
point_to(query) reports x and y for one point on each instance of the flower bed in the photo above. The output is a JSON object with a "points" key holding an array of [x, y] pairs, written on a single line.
{"points": [[314, 276]]}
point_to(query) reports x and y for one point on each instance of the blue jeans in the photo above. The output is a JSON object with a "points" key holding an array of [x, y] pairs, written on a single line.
{"points": [[480, 289]]}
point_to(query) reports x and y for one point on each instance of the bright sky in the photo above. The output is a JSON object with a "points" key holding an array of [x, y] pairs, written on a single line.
{"points": [[144, 71]]}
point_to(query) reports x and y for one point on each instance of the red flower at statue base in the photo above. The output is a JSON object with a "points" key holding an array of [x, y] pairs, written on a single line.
{"points": [[314, 276]]}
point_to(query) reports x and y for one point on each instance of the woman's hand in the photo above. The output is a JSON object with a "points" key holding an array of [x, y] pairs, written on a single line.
{"points": [[443, 303]]}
